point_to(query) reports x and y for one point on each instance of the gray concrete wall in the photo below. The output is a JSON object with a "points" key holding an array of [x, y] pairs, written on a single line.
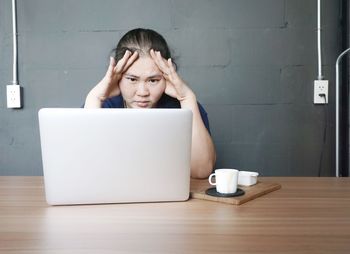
{"points": [[251, 63]]}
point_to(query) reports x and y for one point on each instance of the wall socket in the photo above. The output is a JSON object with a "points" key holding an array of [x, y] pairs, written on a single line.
{"points": [[13, 96], [321, 92]]}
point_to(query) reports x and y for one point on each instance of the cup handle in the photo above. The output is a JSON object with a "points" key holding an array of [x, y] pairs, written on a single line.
{"points": [[210, 177]]}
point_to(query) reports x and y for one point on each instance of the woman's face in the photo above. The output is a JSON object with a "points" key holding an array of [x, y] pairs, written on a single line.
{"points": [[142, 84]]}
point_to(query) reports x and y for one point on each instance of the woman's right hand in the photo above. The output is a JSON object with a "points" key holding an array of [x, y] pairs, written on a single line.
{"points": [[109, 85]]}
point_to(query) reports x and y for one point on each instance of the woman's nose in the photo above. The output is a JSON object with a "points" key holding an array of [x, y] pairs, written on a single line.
{"points": [[142, 89]]}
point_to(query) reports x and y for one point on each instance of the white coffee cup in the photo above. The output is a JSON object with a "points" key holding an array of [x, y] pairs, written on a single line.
{"points": [[226, 180]]}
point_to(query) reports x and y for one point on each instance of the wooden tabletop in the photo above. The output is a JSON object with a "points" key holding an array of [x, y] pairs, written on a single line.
{"points": [[307, 215]]}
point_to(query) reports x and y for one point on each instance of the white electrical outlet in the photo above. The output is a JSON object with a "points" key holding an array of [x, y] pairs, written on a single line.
{"points": [[320, 91], [13, 96]]}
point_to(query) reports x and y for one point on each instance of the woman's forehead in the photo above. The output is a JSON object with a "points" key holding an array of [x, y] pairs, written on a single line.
{"points": [[144, 66]]}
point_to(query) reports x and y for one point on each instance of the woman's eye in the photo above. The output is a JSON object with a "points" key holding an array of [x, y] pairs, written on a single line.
{"points": [[133, 80], [153, 81]]}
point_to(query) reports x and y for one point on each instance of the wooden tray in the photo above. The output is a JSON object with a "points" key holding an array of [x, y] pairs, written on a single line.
{"points": [[261, 188]]}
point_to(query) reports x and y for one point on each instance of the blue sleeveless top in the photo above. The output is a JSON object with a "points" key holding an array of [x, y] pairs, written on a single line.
{"points": [[164, 102]]}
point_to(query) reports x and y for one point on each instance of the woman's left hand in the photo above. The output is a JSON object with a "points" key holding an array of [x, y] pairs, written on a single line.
{"points": [[175, 86]]}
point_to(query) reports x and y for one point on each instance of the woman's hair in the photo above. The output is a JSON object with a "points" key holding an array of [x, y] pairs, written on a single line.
{"points": [[142, 40]]}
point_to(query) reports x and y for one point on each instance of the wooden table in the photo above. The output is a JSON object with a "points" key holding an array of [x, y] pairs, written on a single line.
{"points": [[308, 215]]}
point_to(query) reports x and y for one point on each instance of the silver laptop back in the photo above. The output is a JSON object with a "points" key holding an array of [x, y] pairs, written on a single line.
{"points": [[115, 155]]}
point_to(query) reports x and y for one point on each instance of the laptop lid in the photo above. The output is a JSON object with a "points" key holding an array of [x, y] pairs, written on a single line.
{"points": [[115, 155]]}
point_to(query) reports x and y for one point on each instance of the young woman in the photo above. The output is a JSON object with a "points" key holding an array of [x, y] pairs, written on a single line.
{"points": [[142, 75]]}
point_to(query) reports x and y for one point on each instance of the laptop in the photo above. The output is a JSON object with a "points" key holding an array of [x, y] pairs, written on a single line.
{"points": [[96, 156]]}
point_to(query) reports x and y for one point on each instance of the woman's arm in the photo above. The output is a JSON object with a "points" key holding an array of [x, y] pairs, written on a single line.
{"points": [[203, 152]]}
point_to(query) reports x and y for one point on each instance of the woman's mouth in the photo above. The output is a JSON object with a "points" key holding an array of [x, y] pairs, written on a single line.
{"points": [[142, 104]]}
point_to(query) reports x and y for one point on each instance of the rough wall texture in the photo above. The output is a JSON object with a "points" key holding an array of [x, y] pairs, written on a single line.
{"points": [[251, 63]]}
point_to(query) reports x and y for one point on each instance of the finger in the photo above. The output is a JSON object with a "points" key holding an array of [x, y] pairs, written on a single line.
{"points": [[131, 60], [153, 54], [111, 65], [162, 62], [112, 61], [151, 51], [171, 66], [121, 63], [173, 75], [157, 58]]}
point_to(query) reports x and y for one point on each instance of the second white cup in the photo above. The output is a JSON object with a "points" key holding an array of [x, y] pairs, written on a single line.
{"points": [[226, 180]]}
